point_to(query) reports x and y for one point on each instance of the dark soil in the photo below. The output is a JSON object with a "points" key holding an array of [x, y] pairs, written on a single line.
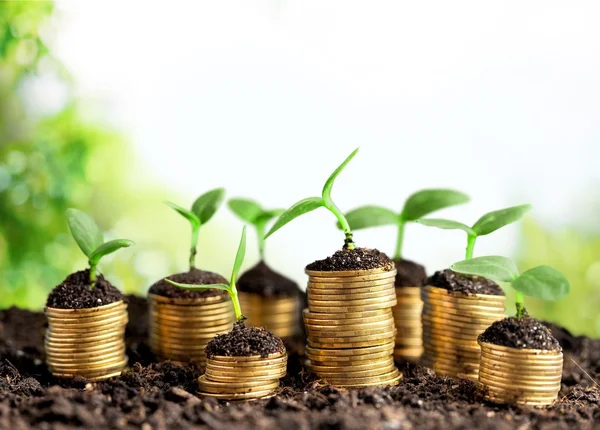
{"points": [[453, 281], [75, 292], [194, 276], [264, 281], [243, 341], [153, 395], [520, 333], [353, 259], [409, 274]]}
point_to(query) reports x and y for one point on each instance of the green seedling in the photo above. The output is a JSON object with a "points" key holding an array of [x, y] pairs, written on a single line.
{"points": [[254, 214], [488, 223], [90, 239], [202, 211], [416, 206], [542, 282], [231, 288], [312, 203]]}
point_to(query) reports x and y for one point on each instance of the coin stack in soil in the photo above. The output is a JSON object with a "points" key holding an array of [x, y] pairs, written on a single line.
{"points": [[180, 328], [452, 321], [407, 316], [350, 327], [86, 342], [279, 315]]}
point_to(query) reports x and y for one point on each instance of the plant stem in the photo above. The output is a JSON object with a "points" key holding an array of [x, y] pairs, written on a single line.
{"points": [[236, 302], [193, 250], [348, 242], [92, 274], [400, 240], [470, 246], [520, 299], [260, 233]]}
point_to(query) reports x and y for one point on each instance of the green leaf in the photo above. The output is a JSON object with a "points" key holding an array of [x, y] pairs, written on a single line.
{"points": [[247, 210], [447, 224], [108, 248], [425, 202], [300, 208], [492, 221], [494, 267], [266, 216], [223, 287], [207, 204], [190, 216], [370, 216], [329, 184], [239, 257], [85, 231], [543, 282]]}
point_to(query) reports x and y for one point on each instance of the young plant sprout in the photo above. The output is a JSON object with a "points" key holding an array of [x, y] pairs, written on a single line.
{"points": [[231, 288], [202, 211], [543, 282], [311, 203], [254, 214], [90, 239], [488, 223], [416, 206]]}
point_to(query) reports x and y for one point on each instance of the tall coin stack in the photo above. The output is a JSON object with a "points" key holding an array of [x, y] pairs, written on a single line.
{"points": [[242, 378], [407, 316], [452, 321], [350, 327], [279, 315], [181, 328], [86, 342]]}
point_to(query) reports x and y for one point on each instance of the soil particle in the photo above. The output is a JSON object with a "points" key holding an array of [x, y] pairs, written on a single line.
{"points": [[453, 281], [264, 281], [75, 292], [522, 333], [243, 341], [409, 274], [194, 276], [353, 259]]}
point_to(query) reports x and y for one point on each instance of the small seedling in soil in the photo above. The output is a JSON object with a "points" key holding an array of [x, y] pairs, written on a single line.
{"points": [[485, 225]]}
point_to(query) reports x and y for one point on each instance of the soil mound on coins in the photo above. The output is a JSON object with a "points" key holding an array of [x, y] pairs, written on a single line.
{"points": [[264, 281], [243, 341], [194, 276], [409, 274], [75, 292], [353, 259], [522, 333], [453, 281]]}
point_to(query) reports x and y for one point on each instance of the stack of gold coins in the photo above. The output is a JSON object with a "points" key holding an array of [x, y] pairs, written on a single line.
{"points": [[181, 328], [242, 378], [350, 327], [407, 316], [279, 315], [86, 342], [520, 376], [452, 321]]}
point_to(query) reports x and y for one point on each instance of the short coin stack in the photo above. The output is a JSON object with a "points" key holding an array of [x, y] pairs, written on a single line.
{"points": [[407, 316], [279, 315], [452, 321], [523, 376], [242, 378], [86, 342], [350, 327], [181, 328]]}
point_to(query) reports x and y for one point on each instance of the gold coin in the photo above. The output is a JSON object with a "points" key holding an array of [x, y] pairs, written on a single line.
{"points": [[430, 317], [313, 319], [281, 362], [351, 373], [351, 273], [463, 300], [351, 327], [238, 396], [182, 329], [208, 386], [72, 358], [429, 331], [272, 373], [61, 312], [481, 297], [514, 386], [89, 371], [334, 361], [384, 379], [453, 325], [520, 351], [517, 369], [336, 334], [523, 359], [353, 338], [361, 288], [312, 296], [320, 316], [361, 344], [87, 348], [525, 379], [235, 378], [183, 311], [179, 349], [92, 379], [247, 357], [118, 315], [228, 368], [435, 337], [86, 331], [351, 351], [479, 311], [351, 309], [62, 354], [81, 344], [84, 366], [205, 382], [378, 364], [464, 350], [342, 300]]}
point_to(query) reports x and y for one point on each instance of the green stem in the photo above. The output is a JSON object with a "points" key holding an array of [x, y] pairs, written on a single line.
{"points": [[260, 233], [236, 302], [400, 240], [193, 247], [92, 274], [348, 242], [470, 246], [520, 300]]}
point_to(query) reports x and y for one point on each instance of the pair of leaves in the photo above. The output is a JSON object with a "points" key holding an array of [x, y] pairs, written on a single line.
{"points": [[487, 224], [543, 282], [251, 212], [416, 206], [311, 203], [90, 238], [203, 208]]}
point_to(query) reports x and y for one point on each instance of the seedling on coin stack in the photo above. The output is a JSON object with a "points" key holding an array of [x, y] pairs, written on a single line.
{"points": [[521, 361], [458, 308], [86, 314], [246, 363], [269, 299], [349, 321], [183, 321], [410, 276]]}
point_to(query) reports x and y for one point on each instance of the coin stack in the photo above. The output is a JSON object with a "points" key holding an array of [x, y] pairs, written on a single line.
{"points": [[279, 315], [242, 378], [350, 327], [181, 328], [523, 376], [86, 342], [452, 321], [407, 316]]}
